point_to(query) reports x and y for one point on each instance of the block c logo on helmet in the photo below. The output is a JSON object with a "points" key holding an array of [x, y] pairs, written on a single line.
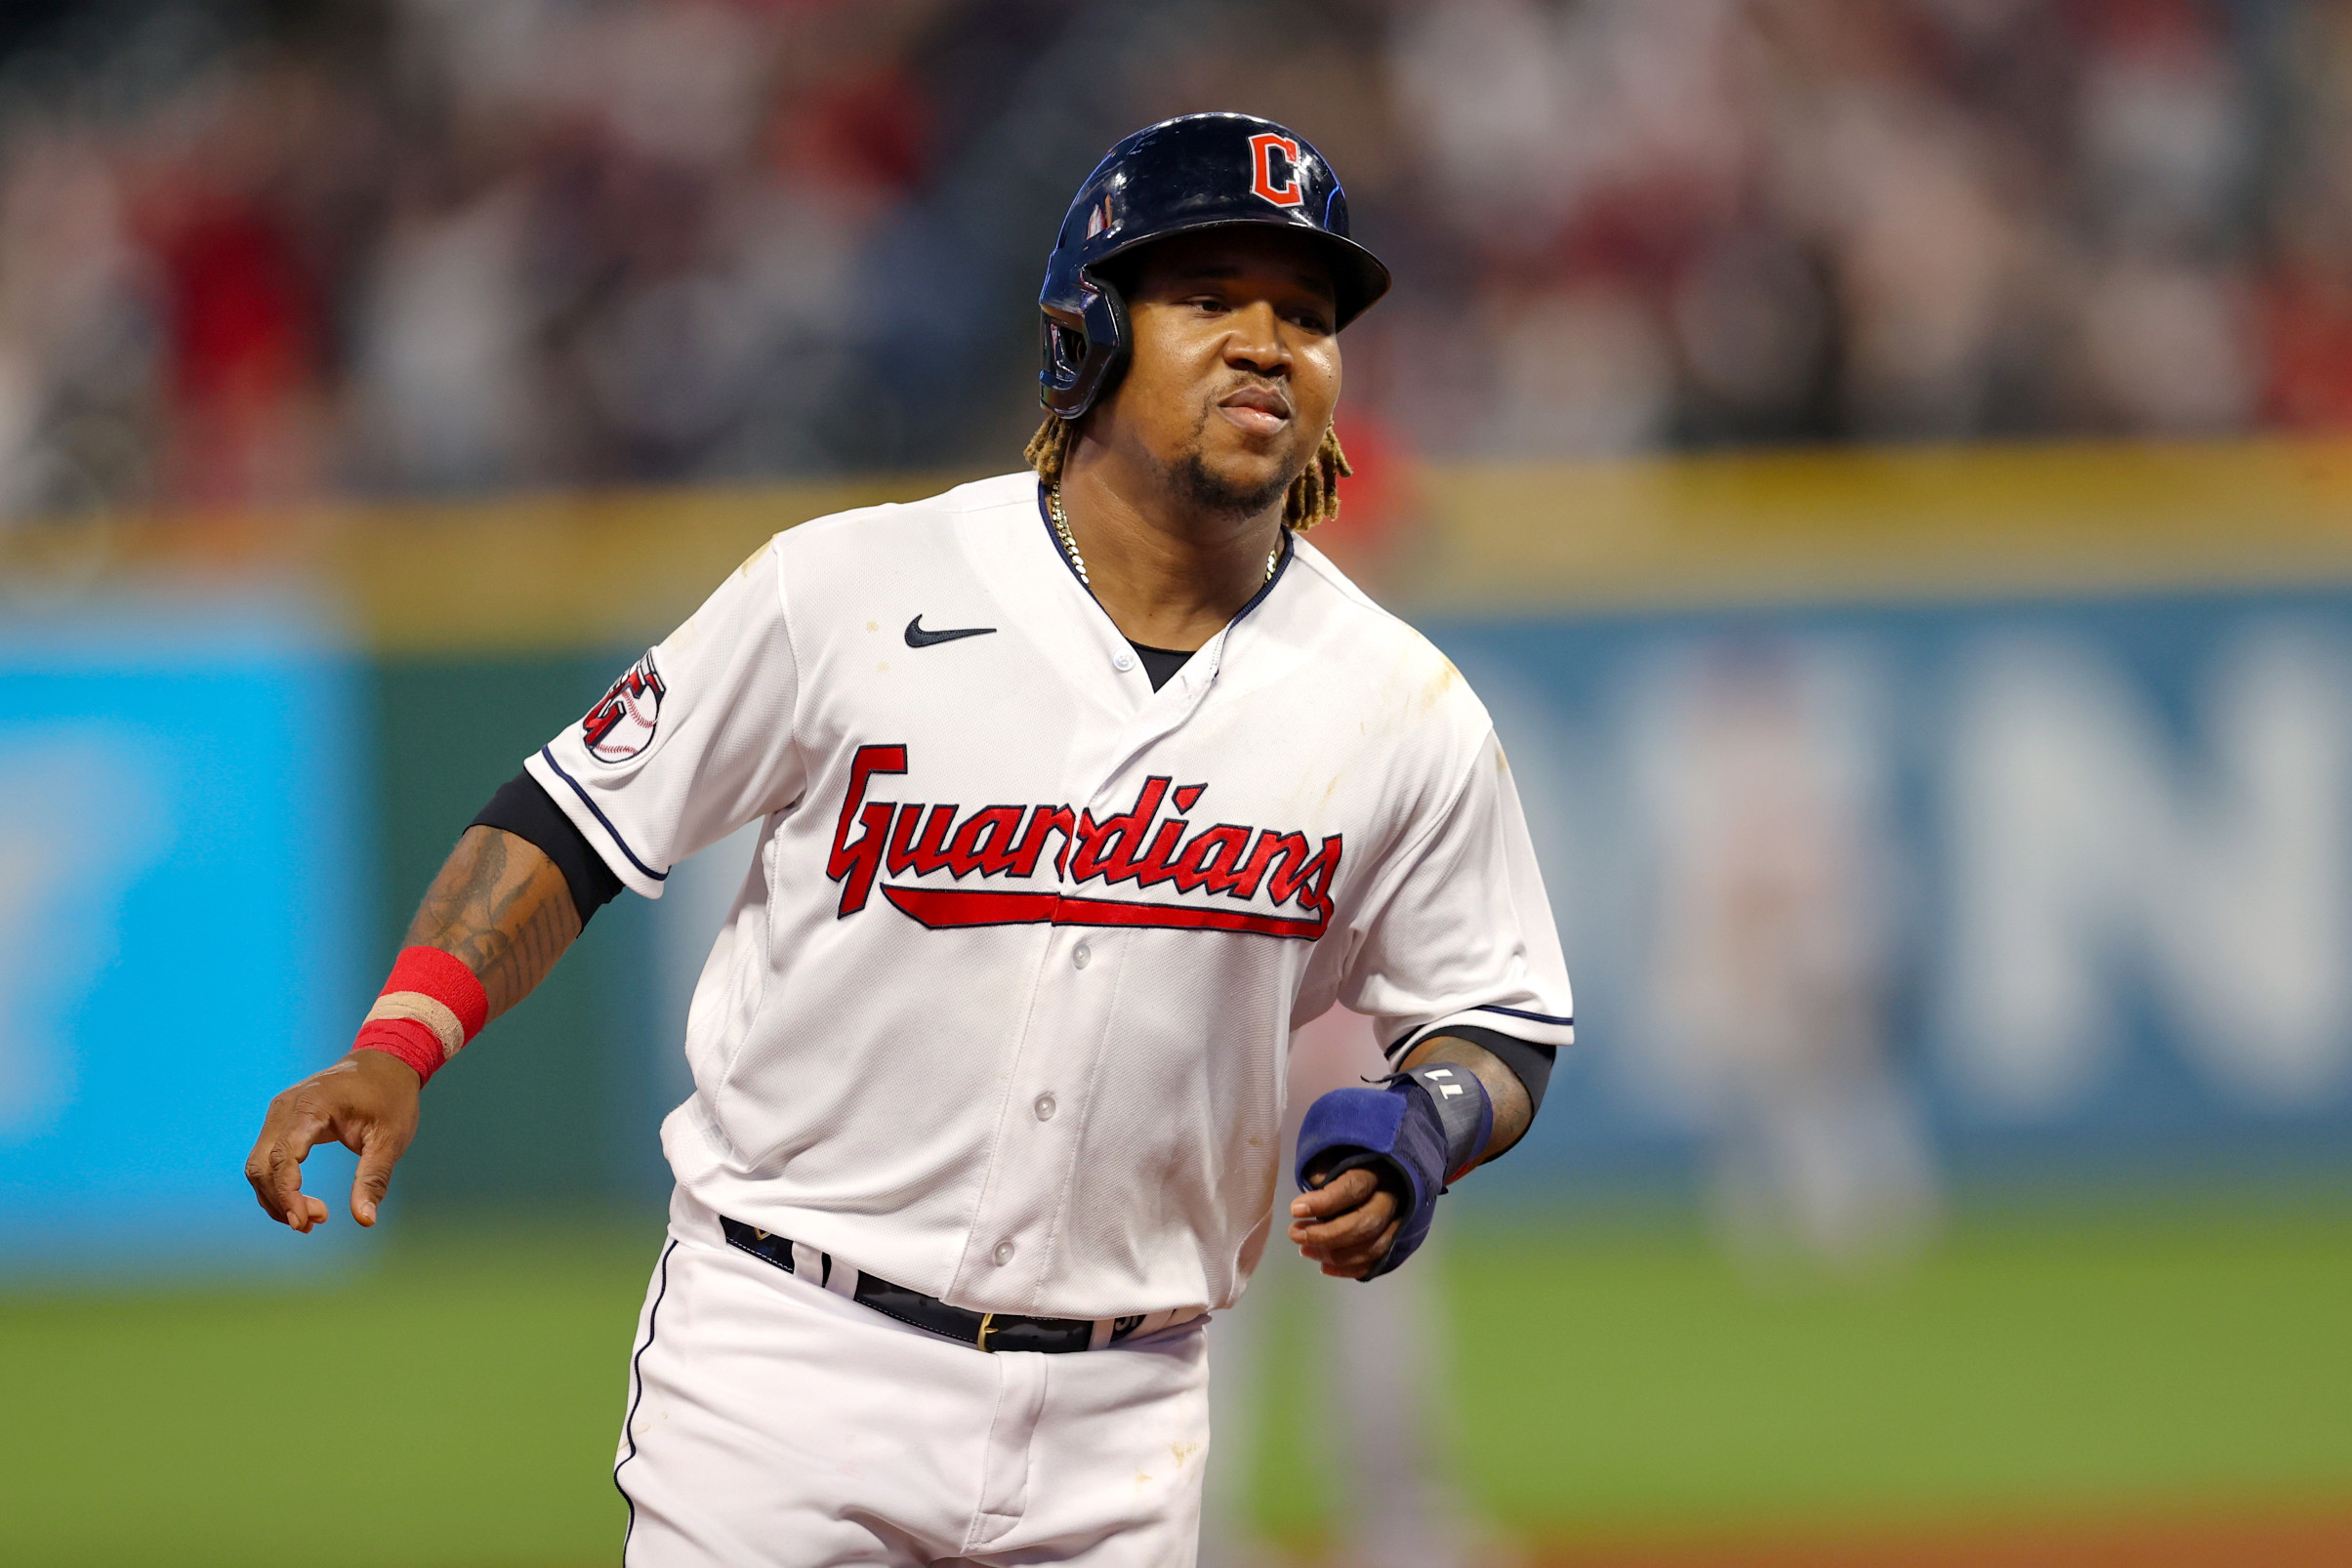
{"points": [[1283, 191]]}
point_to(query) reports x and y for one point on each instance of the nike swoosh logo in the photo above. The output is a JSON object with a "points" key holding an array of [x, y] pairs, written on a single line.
{"points": [[918, 638]]}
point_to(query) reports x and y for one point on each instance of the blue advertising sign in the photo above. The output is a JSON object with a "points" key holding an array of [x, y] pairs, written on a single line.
{"points": [[1853, 896], [180, 912]]}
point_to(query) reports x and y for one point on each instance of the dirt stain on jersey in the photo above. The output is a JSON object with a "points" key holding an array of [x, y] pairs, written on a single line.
{"points": [[1444, 678]]}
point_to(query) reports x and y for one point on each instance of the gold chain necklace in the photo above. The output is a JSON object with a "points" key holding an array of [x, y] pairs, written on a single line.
{"points": [[1061, 531]]}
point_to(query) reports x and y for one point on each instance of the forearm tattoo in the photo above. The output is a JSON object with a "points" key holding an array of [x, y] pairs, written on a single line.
{"points": [[503, 909]]}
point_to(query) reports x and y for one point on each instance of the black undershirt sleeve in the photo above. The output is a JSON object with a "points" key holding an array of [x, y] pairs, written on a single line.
{"points": [[1530, 1063], [527, 812]]}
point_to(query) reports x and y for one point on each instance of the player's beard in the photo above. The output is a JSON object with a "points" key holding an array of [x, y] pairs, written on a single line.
{"points": [[1215, 495]]}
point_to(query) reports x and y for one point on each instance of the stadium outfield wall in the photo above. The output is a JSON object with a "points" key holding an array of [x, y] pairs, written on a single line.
{"points": [[587, 572], [2013, 785]]}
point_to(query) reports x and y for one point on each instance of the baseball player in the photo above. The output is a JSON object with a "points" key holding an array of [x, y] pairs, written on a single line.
{"points": [[1076, 789]]}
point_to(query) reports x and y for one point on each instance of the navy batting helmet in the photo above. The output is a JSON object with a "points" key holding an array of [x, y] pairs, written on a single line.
{"points": [[1180, 175]]}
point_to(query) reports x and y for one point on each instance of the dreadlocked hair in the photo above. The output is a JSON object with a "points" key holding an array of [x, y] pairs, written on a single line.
{"points": [[1312, 498]]}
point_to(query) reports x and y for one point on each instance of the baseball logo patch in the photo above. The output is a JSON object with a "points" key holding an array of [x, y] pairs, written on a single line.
{"points": [[621, 723], [1274, 169]]}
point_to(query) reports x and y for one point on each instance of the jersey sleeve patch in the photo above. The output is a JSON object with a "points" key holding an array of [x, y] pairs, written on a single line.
{"points": [[625, 720]]}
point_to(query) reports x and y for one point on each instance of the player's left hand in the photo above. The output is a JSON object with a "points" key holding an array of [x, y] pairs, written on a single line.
{"points": [[1346, 1226]]}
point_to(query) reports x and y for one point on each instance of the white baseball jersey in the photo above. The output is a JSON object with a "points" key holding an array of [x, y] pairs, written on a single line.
{"points": [[1003, 1009]]}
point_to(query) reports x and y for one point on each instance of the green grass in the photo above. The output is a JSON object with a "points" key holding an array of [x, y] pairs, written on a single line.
{"points": [[457, 1402], [2103, 1362]]}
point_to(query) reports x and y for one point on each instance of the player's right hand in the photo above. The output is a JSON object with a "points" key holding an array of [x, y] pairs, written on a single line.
{"points": [[367, 1102], [1345, 1224]]}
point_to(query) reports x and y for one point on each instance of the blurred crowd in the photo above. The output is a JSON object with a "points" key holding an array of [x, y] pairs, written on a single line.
{"points": [[260, 250]]}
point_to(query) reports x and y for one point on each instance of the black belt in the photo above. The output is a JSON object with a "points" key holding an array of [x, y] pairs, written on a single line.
{"points": [[987, 1331]]}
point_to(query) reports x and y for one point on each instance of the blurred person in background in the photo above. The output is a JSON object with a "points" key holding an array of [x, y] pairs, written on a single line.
{"points": [[2307, 304], [2166, 141], [1899, 189], [243, 303], [78, 383], [1774, 968]]}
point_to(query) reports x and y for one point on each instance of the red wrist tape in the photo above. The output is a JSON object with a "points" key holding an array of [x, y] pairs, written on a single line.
{"points": [[428, 1010]]}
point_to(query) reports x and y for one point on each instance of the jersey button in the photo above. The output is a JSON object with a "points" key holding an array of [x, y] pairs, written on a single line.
{"points": [[1084, 956], [1044, 1107], [1002, 1253], [1123, 662]]}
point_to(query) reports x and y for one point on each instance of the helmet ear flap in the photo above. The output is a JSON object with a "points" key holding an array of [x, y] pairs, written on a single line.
{"points": [[1084, 350], [1064, 349]]}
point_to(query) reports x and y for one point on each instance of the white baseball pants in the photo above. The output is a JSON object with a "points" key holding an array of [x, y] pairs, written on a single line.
{"points": [[771, 1422]]}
